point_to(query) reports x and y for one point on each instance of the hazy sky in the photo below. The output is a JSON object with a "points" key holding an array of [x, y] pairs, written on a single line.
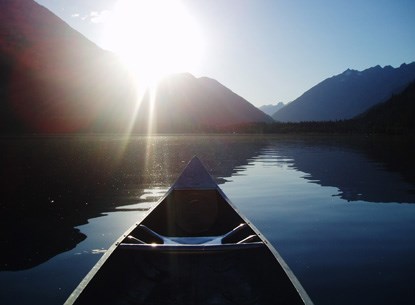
{"points": [[269, 51]]}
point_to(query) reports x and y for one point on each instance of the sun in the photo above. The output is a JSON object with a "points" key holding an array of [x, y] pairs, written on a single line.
{"points": [[154, 38]]}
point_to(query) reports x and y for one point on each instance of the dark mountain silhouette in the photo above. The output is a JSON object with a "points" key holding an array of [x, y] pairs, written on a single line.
{"points": [[271, 109], [396, 115], [184, 102], [348, 94], [54, 80]]}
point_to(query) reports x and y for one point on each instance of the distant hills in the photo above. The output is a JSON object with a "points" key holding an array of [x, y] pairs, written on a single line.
{"points": [[396, 115], [271, 109], [348, 94], [54, 80], [184, 102]]}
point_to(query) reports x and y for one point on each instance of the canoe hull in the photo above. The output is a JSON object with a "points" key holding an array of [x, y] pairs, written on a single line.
{"points": [[248, 276], [193, 247]]}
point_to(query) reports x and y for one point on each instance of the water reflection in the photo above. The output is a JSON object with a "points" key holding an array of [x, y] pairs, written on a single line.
{"points": [[50, 186], [362, 169]]}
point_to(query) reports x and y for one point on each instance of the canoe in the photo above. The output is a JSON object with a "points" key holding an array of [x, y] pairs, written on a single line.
{"points": [[193, 247]]}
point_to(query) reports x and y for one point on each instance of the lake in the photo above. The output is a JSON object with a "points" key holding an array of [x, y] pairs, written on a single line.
{"points": [[339, 209]]}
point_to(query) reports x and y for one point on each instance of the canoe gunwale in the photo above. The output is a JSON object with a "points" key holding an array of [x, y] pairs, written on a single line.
{"points": [[294, 280], [207, 184]]}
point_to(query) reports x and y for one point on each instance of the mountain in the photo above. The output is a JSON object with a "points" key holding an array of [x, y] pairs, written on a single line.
{"points": [[396, 115], [52, 78], [186, 103], [271, 109], [348, 94]]}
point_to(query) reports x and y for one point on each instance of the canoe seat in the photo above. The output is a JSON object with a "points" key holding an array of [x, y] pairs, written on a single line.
{"points": [[199, 243]]}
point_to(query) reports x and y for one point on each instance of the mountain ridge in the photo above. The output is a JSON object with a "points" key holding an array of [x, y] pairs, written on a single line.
{"points": [[203, 103], [396, 115], [348, 94], [54, 80], [270, 109]]}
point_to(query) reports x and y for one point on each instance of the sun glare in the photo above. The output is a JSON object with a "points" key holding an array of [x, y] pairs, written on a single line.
{"points": [[154, 38]]}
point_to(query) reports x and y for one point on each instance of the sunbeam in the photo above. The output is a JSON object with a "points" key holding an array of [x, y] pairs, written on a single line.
{"points": [[154, 38]]}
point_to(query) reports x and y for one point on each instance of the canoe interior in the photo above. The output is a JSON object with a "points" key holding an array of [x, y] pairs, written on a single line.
{"points": [[234, 277], [193, 213], [243, 276]]}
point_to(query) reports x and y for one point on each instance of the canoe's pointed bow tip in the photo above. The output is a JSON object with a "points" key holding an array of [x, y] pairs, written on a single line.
{"points": [[195, 164], [195, 159], [195, 175]]}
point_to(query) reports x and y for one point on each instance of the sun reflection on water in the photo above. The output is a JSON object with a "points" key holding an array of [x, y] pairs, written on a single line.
{"points": [[154, 193]]}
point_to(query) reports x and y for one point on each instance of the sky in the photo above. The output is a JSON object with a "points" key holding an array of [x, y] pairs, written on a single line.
{"points": [[267, 51]]}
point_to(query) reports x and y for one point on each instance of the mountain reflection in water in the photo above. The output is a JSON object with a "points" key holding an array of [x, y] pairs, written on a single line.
{"points": [[50, 186], [372, 170]]}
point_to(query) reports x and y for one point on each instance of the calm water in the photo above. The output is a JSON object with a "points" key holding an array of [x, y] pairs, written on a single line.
{"points": [[340, 210]]}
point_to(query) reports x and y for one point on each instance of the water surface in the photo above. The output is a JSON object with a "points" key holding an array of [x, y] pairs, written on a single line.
{"points": [[338, 209]]}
